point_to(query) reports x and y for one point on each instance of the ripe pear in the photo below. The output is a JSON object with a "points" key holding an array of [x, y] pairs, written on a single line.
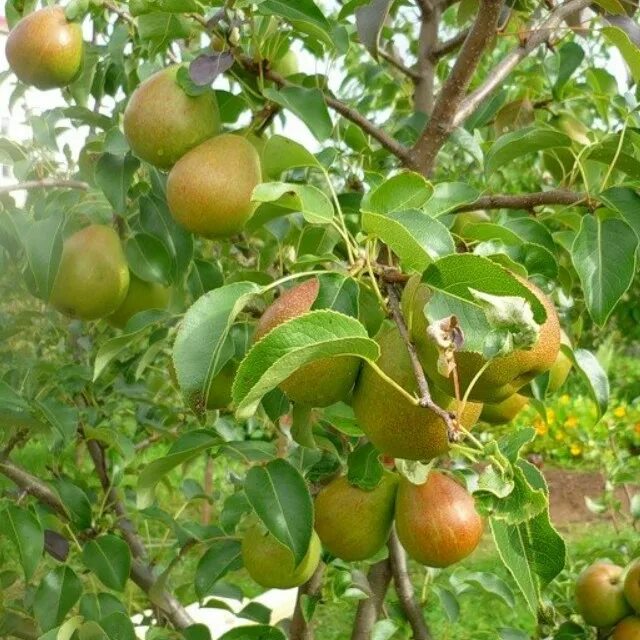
{"points": [[437, 522], [632, 585], [628, 629], [505, 375], [141, 296], [209, 189], [272, 565], [394, 425], [162, 122], [354, 524], [600, 595], [93, 276], [44, 49], [504, 411], [319, 383], [560, 369]]}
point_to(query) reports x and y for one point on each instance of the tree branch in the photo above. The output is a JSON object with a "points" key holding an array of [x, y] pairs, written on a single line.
{"points": [[539, 35], [300, 630], [426, 400], [368, 612], [395, 61], [404, 589], [387, 141], [526, 200], [45, 183], [448, 46], [441, 123], [427, 39]]}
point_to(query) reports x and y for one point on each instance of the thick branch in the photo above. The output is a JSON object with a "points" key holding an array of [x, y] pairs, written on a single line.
{"points": [[387, 141], [300, 630], [368, 612], [45, 183], [427, 39], [539, 35], [441, 123], [404, 589], [526, 200], [426, 400]]}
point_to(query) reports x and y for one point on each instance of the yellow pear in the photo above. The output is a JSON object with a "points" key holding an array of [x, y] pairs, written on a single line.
{"points": [[209, 189], [93, 276], [504, 411]]}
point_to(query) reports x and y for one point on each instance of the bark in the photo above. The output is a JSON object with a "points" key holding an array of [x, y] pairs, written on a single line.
{"points": [[369, 610]]}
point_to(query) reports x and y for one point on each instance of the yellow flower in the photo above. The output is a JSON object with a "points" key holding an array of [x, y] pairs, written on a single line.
{"points": [[551, 415], [620, 412], [565, 399], [541, 427], [571, 422], [559, 436], [576, 449]]}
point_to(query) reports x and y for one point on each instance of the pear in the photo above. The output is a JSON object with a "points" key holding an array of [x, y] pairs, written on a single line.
{"points": [[44, 49], [394, 425], [628, 629], [272, 565], [162, 122], [632, 585], [600, 594], [437, 522], [209, 189], [560, 369], [93, 276], [504, 411], [319, 383], [354, 524], [141, 296]]}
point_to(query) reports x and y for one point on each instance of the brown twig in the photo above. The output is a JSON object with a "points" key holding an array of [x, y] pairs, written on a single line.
{"points": [[387, 141], [404, 589], [394, 61], [496, 77], [121, 13], [300, 629], [426, 400], [379, 577], [441, 122], [449, 46], [527, 200], [45, 183]]}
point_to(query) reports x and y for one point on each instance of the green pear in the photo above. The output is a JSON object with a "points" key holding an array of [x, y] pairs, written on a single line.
{"points": [[354, 524], [162, 122], [600, 595], [272, 565], [141, 296], [632, 585], [93, 276]]}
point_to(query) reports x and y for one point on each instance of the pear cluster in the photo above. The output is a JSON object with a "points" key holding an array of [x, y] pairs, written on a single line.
{"points": [[608, 597], [436, 522]]}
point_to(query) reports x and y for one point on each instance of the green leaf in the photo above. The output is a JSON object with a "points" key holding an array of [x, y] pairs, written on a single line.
{"points": [[489, 582], [365, 469], [384, 629], [571, 55], [309, 337], [451, 279], [626, 202], [281, 154], [186, 448], [42, 242], [148, 258], [26, 534], [447, 196], [611, 152], [113, 175], [337, 292], [369, 22], [280, 497], [109, 558], [627, 48], [405, 190], [524, 141], [76, 501], [414, 236], [307, 104], [140, 7], [161, 27], [222, 556], [117, 626], [112, 348], [314, 205], [201, 347], [594, 375], [55, 596], [604, 255], [254, 632]]}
